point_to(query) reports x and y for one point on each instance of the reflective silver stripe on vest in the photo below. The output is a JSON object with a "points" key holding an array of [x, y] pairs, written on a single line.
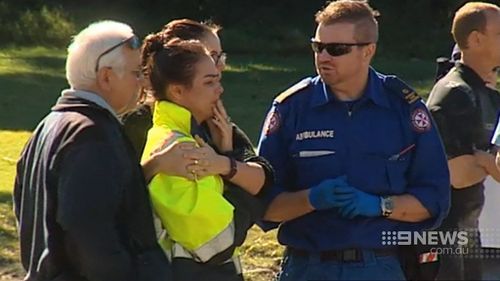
{"points": [[159, 230], [218, 244], [180, 252], [237, 264], [204, 253]]}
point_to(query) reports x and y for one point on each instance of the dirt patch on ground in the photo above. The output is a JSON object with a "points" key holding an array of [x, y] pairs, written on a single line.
{"points": [[11, 273]]}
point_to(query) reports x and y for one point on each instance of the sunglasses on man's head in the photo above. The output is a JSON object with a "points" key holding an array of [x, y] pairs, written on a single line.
{"points": [[334, 49], [133, 42]]}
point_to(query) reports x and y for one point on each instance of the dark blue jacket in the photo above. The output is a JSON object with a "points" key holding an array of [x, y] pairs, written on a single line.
{"points": [[81, 201]]}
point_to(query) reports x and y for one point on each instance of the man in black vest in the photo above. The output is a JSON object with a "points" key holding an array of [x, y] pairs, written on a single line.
{"points": [[465, 108]]}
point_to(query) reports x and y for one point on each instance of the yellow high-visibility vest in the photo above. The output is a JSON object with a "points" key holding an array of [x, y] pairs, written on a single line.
{"points": [[194, 213]]}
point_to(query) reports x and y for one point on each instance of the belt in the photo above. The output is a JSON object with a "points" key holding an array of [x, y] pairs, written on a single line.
{"points": [[347, 255]]}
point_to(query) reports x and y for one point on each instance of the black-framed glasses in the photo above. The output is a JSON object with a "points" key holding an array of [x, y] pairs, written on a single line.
{"points": [[335, 49], [219, 58], [133, 42]]}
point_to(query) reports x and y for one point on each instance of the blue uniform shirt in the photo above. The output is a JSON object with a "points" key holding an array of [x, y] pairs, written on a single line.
{"points": [[385, 143]]}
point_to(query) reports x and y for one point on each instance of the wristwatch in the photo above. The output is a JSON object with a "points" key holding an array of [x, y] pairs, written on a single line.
{"points": [[233, 169], [387, 205]]}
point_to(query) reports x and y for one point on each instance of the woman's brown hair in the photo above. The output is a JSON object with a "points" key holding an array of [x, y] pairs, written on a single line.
{"points": [[183, 29], [171, 63]]}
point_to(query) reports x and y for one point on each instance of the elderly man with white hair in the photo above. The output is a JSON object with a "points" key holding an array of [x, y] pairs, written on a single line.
{"points": [[80, 196]]}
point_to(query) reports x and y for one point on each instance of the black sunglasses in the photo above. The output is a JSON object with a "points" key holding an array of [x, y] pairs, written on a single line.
{"points": [[334, 49], [133, 42]]}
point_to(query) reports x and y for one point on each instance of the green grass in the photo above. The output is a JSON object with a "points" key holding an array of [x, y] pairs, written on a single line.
{"points": [[31, 80]]}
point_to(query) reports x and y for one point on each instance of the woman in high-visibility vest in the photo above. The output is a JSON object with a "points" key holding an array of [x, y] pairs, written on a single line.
{"points": [[206, 215]]}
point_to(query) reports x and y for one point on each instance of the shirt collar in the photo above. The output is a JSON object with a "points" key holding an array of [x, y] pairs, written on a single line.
{"points": [[374, 91], [321, 93], [200, 130], [90, 96], [469, 74], [172, 115]]}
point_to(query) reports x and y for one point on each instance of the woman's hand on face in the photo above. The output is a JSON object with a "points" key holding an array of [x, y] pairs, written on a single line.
{"points": [[221, 129], [210, 163], [174, 159]]}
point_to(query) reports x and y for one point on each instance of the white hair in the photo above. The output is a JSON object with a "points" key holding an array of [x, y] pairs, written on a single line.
{"points": [[88, 45]]}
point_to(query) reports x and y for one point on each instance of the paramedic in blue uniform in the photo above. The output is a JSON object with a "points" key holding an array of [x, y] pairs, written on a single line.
{"points": [[356, 157]]}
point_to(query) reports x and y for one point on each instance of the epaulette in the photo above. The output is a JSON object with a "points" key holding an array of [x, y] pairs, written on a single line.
{"points": [[292, 90], [399, 87]]}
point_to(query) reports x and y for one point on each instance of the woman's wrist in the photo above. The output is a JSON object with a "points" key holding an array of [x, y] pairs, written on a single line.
{"points": [[226, 148], [233, 169], [224, 162]]}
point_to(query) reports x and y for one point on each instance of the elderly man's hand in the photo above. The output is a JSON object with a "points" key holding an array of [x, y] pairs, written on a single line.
{"points": [[210, 163], [175, 159]]}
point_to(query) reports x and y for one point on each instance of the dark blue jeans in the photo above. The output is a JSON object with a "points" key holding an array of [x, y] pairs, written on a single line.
{"points": [[300, 268]]}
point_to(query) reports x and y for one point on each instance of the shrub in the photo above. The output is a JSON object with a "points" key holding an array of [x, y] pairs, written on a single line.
{"points": [[48, 26]]}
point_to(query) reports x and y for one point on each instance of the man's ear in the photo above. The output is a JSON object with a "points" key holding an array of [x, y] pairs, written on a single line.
{"points": [[474, 39], [103, 77], [369, 51]]}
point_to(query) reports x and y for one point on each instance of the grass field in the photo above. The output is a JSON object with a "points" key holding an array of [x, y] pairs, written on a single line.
{"points": [[31, 80]]}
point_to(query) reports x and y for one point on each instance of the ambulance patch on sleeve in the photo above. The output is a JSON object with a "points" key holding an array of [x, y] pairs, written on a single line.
{"points": [[272, 123], [420, 120]]}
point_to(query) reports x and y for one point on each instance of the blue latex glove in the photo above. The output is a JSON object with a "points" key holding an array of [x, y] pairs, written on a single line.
{"points": [[360, 204], [323, 196]]}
